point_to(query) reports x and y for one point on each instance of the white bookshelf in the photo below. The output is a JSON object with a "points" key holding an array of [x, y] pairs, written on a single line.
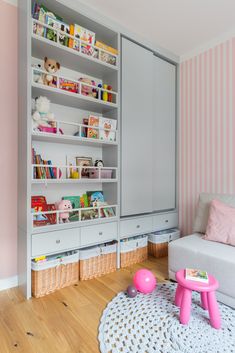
{"points": [[69, 109]]}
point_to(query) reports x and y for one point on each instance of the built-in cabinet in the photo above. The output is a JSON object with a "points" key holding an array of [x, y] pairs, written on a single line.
{"points": [[148, 139]]}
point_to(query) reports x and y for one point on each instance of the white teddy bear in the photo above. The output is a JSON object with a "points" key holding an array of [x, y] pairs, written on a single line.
{"points": [[42, 115]]}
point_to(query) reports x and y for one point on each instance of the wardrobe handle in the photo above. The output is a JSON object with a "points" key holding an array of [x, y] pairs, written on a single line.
{"points": [[58, 241], [166, 221], [138, 226], [100, 233]]}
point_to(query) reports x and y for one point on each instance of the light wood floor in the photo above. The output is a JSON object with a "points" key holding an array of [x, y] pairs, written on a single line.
{"points": [[66, 321]]}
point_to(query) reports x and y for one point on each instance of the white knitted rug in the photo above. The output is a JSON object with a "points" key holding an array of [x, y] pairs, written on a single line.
{"points": [[150, 324]]}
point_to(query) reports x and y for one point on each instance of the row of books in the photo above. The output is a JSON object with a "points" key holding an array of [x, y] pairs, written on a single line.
{"points": [[47, 172], [101, 130], [43, 14], [88, 199]]}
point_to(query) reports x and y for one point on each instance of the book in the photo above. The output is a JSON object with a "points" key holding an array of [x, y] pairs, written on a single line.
{"points": [[84, 129], [39, 204], [58, 25], [84, 34], [51, 170], [108, 212], [52, 216], [107, 124], [196, 275], [93, 121], [106, 47], [73, 43], [94, 197]]}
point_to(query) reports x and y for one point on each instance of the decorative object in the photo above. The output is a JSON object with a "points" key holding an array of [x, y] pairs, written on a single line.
{"points": [[131, 291], [99, 163], [208, 299], [51, 66], [144, 281], [149, 323], [86, 87], [86, 162]]}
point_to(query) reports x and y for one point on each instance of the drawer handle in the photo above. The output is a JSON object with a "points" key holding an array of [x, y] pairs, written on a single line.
{"points": [[58, 241], [100, 233], [166, 221], [138, 226]]}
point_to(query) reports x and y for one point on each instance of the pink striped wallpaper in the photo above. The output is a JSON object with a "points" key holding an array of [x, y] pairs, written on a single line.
{"points": [[207, 127]]}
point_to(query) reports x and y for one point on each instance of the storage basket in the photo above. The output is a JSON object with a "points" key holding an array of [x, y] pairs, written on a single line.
{"points": [[134, 250], [104, 174], [97, 261], [55, 273], [158, 242]]}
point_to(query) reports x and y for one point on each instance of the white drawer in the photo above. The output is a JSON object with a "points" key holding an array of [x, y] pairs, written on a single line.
{"points": [[50, 242], [165, 221], [129, 227], [98, 233]]}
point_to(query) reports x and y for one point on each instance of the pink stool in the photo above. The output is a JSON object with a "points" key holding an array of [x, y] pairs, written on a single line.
{"points": [[183, 298]]}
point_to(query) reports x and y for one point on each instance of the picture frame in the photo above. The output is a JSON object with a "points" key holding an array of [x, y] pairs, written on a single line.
{"points": [[86, 162]]}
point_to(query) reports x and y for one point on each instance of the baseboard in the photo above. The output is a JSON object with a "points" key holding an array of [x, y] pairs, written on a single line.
{"points": [[7, 283]]}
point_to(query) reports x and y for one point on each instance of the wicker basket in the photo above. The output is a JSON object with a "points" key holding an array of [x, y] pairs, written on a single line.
{"points": [[158, 242], [134, 251], [97, 261], [54, 274]]}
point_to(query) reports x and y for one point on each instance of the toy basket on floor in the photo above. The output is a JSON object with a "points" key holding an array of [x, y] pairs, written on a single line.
{"points": [[134, 250], [55, 273], [97, 261], [158, 242]]}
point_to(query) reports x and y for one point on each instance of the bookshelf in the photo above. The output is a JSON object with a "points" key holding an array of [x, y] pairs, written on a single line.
{"points": [[68, 141]]}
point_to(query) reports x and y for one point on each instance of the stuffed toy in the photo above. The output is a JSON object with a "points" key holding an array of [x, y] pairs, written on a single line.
{"points": [[87, 90], [52, 67], [37, 75], [64, 205], [42, 116]]}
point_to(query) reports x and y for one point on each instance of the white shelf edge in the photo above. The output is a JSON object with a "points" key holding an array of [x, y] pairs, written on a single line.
{"points": [[73, 181], [74, 52]]}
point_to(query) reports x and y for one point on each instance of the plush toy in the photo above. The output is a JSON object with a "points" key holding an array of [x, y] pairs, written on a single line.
{"points": [[37, 75], [42, 116], [64, 205], [87, 90], [52, 67]]}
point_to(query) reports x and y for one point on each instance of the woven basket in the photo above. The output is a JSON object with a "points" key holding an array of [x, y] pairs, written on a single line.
{"points": [[97, 261], [134, 251], [158, 250], [55, 274]]}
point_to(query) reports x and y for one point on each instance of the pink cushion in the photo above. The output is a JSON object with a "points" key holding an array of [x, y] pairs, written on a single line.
{"points": [[221, 223]]}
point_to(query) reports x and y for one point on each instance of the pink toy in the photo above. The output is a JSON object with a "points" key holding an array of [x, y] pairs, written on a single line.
{"points": [[64, 205], [183, 298], [144, 281]]}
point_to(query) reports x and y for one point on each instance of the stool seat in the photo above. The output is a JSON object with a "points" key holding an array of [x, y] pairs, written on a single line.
{"points": [[183, 298]]}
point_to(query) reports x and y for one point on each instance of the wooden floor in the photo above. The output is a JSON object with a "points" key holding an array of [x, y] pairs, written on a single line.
{"points": [[66, 321]]}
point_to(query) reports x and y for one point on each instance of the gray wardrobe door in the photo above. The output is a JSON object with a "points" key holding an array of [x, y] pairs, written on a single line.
{"points": [[136, 139], [164, 136]]}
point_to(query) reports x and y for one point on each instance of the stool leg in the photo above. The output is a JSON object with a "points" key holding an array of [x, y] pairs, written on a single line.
{"points": [[178, 295], [185, 306], [213, 310], [204, 300]]}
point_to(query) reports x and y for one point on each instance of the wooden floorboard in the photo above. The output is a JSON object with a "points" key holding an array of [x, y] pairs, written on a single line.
{"points": [[66, 321]]}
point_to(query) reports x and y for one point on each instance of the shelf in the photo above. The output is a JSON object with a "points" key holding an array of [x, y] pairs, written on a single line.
{"points": [[67, 139], [69, 99], [72, 181], [70, 58], [45, 229]]}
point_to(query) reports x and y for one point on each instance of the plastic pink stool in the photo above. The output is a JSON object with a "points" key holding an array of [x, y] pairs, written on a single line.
{"points": [[183, 298]]}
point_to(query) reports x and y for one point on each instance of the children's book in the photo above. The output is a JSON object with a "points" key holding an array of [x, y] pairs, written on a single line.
{"points": [[84, 34], [39, 204], [95, 197], [93, 121], [52, 35], [107, 125], [108, 212], [196, 275], [52, 216]]}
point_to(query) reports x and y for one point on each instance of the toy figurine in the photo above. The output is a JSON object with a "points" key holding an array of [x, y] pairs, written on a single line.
{"points": [[51, 66], [105, 94]]}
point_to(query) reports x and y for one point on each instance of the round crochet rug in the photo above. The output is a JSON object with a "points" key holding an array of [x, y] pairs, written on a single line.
{"points": [[150, 324]]}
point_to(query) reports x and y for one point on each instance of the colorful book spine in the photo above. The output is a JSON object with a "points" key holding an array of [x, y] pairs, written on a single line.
{"points": [[51, 170]]}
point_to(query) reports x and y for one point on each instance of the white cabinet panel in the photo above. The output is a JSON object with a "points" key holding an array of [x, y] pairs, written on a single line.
{"points": [[137, 112], [164, 136], [56, 241], [135, 226], [98, 233]]}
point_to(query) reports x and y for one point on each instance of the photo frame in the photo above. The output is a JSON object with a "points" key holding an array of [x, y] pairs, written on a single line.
{"points": [[86, 162]]}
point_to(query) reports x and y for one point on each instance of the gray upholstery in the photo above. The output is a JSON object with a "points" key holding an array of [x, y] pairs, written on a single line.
{"points": [[217, 259]]}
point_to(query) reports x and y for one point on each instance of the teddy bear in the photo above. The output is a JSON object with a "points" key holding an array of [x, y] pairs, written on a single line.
{"points": [[42, 116], [52, 67], [87, 90], [64, 205]]}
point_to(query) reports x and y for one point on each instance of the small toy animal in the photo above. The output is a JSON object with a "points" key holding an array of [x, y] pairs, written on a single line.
{"points": [[64, 205], [51, 66], [42, 116]]}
